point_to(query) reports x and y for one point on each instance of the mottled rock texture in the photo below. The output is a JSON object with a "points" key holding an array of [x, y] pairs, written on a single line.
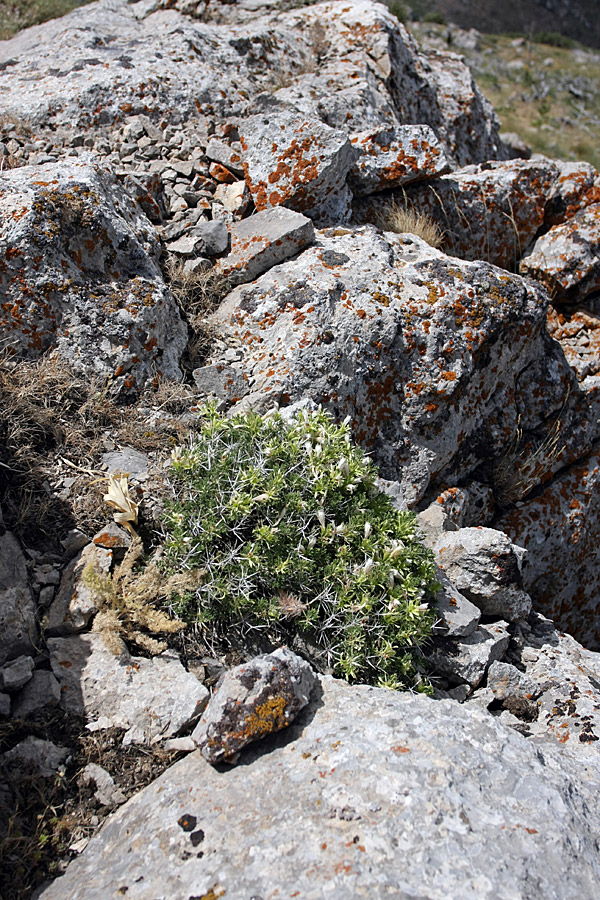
{"points": [[252, 701], [371, 793], [393, 157], [420, 349], [264, 240], [80, 275]]}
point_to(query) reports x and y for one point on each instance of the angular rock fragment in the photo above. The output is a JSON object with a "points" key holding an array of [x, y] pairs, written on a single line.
{"points": [[81, 275], [228, 156], [486, 566], [459, 617], [76, 602], [251, 701], [507, 683], [40, 691], [567, 258], [106, 793], [298, 162], [225, 382], [467, 659], [15, 674], [234, 197], [393, 157], [43, 757], [150, 698], [264, 240], [577, 185]]}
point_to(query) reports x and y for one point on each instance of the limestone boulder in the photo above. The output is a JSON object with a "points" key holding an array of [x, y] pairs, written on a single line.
{"points": [[421, 350], [576, 186], [369, 792], [295, 161], [80, 275], [76, 602], [390, 158], [151, 699], [491, 211], [567, 258], [559, 528]]}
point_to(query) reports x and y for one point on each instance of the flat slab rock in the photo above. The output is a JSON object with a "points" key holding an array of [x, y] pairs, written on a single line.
{"points": [[81, 274], [151, 698], [424, 799], [264, 240], [360, 322]]}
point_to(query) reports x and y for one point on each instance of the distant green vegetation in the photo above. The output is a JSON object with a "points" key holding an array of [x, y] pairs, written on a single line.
{"points": [[18, 14]]}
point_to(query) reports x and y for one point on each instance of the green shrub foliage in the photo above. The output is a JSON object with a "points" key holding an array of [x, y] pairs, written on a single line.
{"points": [[297, 545]]}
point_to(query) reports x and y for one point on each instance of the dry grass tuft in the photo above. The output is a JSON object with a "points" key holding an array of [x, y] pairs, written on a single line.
{"points": [[401, 219], [523, 466], [197, 294]]}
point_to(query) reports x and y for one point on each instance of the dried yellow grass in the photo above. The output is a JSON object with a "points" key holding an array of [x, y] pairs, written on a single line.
{"points": [[401, 219]]}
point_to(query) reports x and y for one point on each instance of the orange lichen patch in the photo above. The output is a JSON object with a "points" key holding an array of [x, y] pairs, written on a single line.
{"points": [[399, 749]]}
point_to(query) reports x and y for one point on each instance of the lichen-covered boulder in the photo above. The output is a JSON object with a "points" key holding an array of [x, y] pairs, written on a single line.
{"points": [[577, 186], [391, 157], [295, 161], [422, 351], [370, 793], [490, 211], [79, 274], [567, 258]]}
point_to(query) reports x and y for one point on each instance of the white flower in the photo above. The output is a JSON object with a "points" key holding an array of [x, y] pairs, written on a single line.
{"points": [[321, 517], [343, 466], [368, 529]]}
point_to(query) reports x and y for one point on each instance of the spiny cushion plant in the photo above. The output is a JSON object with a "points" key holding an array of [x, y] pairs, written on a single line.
{"points": [[297, 545]]}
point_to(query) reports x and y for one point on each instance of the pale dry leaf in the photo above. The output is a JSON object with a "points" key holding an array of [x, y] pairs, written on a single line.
{"points": [[119, 498]]}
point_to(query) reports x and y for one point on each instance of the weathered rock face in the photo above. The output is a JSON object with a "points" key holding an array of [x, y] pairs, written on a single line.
{"points": [[80, 275], [390, 158], [567, 259], [293, 161], [421, 350], [426, 798], [351, 66], [150, 698], [560, 528], [491, 211]]}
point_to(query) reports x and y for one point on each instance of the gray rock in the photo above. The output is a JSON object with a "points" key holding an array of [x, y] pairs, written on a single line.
{"points": [[577, 186], [76, 602], [567, 258], [393, 157], [252, 701], [151, 698], [264, 240], [4, 705], [486, 566], [234, 197], [371, 793], [14, 675], [106, 793], [40, 691], [224, 381], [42, 757], [128, 460], [82, 275], [228, 156], [467, 659], [299, 162], [18, 622], [490, 211], [560, 529], [433, 522], [506, 682], [359, 323], [459, 617]]}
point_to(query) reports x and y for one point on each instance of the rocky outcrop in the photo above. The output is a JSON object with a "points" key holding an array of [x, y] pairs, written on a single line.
{"points": [[354, 809], [403, 339], [80, 275]]}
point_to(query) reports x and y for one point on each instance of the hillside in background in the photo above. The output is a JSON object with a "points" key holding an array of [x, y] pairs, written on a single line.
{"points": [[576, 19]]}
